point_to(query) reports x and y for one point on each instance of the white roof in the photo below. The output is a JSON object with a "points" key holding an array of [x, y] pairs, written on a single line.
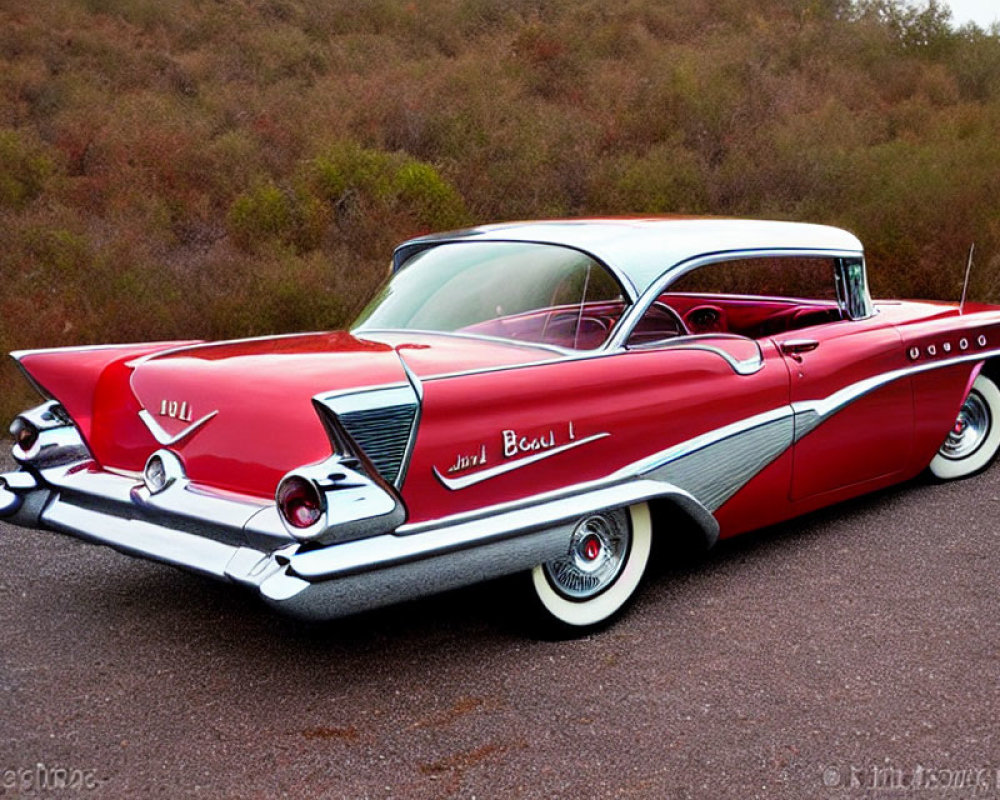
{"points": [[640, 250]]}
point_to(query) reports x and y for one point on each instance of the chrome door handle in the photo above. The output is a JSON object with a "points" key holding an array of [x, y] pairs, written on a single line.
{"points": [[796, 347]]}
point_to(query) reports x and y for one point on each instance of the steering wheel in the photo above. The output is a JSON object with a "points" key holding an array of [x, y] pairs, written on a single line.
{"points": [[706, 319]]}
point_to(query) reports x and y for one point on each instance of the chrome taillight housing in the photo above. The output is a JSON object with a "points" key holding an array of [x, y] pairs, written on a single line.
{"points": [[162, 469], [300, 502], [25, 433], [336, 500], [45, 437]]}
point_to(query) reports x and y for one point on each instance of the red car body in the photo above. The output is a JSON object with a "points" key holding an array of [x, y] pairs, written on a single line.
{"points": [[334, 472]]}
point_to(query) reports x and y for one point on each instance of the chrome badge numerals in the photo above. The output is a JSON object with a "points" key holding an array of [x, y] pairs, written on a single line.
{"points": [[175, 410]]}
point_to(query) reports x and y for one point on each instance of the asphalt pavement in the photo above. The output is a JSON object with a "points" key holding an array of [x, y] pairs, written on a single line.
{"points": [[850, 654]]}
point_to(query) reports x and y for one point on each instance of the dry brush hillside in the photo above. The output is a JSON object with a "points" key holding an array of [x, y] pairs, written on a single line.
{"points": [[195, 168]]}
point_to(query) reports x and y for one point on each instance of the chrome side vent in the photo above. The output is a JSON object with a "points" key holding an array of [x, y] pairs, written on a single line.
{"points": [[382, 422], [383, 434]]}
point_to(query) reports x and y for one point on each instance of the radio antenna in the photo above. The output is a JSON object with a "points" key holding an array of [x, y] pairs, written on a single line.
{"points": [[965, 285]]}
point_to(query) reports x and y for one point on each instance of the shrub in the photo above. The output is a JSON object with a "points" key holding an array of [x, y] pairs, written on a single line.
{"points": [[25, 166], [261, 214]]}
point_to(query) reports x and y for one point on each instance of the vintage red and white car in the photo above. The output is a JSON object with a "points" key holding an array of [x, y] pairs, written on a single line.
{"points": [[546, 398]]}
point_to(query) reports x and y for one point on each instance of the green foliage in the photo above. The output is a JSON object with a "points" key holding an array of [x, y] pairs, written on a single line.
{"points": [[346, 188], [24, 168], [386, 183], [433, 202], [265, 212]]}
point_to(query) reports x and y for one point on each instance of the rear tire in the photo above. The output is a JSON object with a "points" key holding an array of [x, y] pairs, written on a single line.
{"points": [[595, 581], [975, 437]]}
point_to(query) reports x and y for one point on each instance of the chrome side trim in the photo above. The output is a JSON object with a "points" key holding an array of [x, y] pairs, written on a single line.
{"points": [[383, 551], [164, 438], [351, 593], [679, 451], [510, 466], [634, 313], [715, 472], [700, 341], [809, 414]]}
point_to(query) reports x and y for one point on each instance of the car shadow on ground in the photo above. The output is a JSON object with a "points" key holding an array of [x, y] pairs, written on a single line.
{"points": [[169, 598]]}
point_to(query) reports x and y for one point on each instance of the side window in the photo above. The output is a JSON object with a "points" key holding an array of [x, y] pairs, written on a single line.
{"points": [[752, 297]]}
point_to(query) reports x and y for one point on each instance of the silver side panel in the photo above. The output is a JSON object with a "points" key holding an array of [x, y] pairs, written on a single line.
{"points": [[715, 472]]}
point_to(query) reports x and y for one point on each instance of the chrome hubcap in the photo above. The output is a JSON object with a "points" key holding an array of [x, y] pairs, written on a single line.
{"points": [[970, 429], [597, 553]]}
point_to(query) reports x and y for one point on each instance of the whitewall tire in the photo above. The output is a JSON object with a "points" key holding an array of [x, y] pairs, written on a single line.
{"points": [[975, 437], [594, 581]]}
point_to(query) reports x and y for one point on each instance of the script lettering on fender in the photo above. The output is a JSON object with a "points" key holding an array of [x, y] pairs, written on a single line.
{"points": [[515, 445], [463, 463], [514, 450]]}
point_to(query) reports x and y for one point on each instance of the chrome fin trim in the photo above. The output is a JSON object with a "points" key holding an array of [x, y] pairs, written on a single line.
{"points": [[381, 422], [165, 439]]}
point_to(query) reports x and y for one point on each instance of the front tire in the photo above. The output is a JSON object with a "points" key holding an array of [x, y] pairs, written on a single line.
{"points": [[975, 437], [593, 583]]}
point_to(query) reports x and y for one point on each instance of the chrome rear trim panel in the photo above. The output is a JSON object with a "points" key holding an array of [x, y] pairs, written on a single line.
{"points": [[349, 594], [384, 551], [142, 538]]}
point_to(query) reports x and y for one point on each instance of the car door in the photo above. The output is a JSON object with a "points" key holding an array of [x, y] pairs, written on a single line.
{"points": [[853, 426]]}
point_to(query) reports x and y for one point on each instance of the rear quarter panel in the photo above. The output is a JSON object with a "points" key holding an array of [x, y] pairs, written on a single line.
{"points": [[643, 401]]}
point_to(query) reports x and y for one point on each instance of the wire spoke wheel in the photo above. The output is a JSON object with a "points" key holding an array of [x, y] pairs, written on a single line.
{"points": [[596, 555], [974, 438], [604, 564]]}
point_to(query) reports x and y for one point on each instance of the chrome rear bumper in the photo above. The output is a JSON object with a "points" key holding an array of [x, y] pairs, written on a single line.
{"points": [[241, 540]]}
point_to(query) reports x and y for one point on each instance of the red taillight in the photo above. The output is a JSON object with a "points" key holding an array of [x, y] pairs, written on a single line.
{"points": [[299, 502]]}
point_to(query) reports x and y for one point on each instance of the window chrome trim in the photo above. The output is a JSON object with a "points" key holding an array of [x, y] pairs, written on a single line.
{"points": [[360, 332], [619, 336], [698, 341]]}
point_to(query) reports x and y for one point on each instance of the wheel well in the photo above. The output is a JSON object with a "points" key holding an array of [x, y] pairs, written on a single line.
{"points": [[992, 370], [678, 532]]}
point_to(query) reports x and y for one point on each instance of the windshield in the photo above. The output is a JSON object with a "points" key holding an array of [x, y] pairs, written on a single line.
{"points": [[538, 293]]}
